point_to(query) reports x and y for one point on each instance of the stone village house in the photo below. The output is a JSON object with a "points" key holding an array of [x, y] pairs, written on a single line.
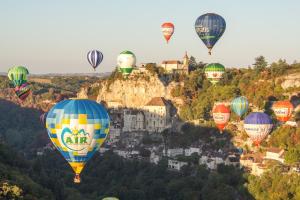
{"points": [[152, 117]]}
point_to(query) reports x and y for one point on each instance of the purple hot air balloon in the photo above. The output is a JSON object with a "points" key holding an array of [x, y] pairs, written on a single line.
{"points": [[258, 125]]}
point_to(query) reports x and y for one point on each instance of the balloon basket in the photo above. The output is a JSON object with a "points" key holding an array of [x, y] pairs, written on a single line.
{"points": [[209, 51], [77, 178]]}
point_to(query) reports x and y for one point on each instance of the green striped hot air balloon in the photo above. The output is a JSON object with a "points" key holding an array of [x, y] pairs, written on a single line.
{"points": [[214, 72], [18, 75], [126, 61]]}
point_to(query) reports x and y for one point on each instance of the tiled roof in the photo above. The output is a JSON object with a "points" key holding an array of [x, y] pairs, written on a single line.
{"points": [[157, 101]]}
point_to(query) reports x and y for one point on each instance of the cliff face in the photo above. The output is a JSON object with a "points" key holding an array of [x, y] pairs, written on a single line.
{"points": [[292, 80], [135, 92]]}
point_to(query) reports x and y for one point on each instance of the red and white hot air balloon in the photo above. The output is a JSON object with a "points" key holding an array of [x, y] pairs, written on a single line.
{"points": [[221, 115], [283, 110], [168, 30]]}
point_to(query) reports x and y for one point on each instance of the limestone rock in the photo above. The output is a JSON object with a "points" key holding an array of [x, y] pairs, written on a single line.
{"points": [[291, 80], [135, 92]]}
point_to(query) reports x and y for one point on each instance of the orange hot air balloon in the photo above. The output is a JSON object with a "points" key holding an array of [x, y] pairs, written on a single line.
{"points": [[221, 115], [168, 30], [283, 110]]}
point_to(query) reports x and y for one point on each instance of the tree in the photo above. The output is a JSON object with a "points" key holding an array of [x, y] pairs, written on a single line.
{"points": [[292, 156], [260, 64], [152, 68], [10, 192]]}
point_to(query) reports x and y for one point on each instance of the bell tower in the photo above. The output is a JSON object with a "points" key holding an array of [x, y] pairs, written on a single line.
{"points": [[185, 63]]}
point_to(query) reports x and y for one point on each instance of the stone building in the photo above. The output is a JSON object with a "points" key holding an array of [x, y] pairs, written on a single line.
{"points": [[134, 120], [157, 114], [275, 154], [176, 66]]}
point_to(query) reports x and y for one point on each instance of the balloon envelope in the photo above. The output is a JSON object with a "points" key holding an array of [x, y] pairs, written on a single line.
{"points": [[214, 72], [168, 30], [283, 110], [22, 91], [77, 127], [258, 125], [18, 75], [126, 61], [239, 105], [95, 57], [210, 27], [221, 115]]}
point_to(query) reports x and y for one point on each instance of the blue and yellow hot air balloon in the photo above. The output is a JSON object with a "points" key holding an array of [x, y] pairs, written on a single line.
{"points": [[239, 106], [77, 127]]}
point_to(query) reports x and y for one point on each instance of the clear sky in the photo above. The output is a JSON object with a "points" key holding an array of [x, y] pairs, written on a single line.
{"points": [[54, 36]]}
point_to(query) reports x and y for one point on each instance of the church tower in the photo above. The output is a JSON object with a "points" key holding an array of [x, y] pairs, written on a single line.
{"points": [[185, 63]]}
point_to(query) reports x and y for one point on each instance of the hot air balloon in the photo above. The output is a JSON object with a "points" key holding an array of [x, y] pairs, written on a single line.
{"points": [[210, 27], [22, 91], [168, 30], [126, 61], [221, 115], [43, 118], [95, 57], [283, 110], [77, 127], [18, 75], [239, 106], [214, 72], [257, 125]]}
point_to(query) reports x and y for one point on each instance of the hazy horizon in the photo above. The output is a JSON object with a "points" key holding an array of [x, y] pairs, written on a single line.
{"points": [[44, 36]]}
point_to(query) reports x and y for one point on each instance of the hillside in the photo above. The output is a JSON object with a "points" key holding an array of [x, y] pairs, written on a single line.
{"points": [[31, 169]]}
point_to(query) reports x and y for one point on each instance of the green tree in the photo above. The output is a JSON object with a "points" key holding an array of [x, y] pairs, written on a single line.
{"points": [[292, 156], [260, 64], [152, 68]]}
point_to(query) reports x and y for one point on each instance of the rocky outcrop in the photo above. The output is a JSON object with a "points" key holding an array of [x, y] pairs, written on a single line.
{"points": [[135, 92], [83, 93], [291, 80]]}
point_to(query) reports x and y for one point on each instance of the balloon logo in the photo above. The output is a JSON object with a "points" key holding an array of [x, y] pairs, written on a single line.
{"points": [[210, 28], [71, 139], [167, 30]]}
